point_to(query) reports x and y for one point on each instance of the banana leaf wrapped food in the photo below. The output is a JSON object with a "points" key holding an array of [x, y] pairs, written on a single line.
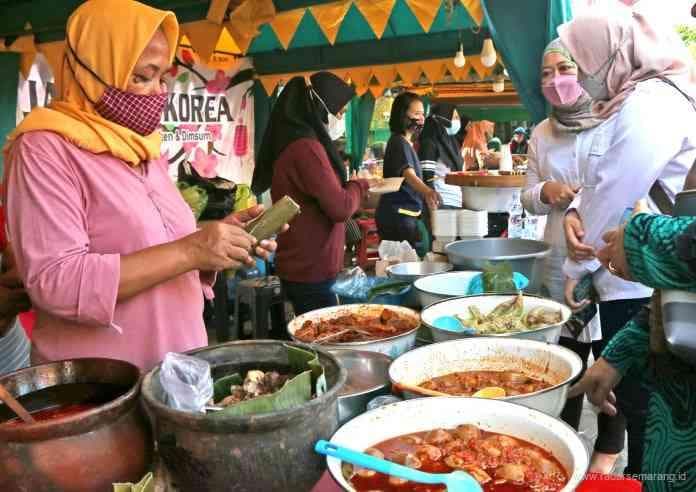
{"points": [[510, 317], [258, 392]]}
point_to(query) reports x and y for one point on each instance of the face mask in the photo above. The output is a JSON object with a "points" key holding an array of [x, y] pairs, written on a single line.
{"points": [[415, 127], [140, 113], [563, 90], [454, 129], [336, 127], [596, 84]]}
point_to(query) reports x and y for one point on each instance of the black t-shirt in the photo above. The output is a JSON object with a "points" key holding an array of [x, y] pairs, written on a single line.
{"points": [[399, 156]]}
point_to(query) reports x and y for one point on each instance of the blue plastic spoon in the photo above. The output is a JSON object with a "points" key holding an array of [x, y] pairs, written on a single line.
{"points": [[451, 323], [457, 481]]}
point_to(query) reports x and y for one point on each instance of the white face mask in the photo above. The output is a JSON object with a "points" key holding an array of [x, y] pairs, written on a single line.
{"points": [[336, 127], [454, 129]]}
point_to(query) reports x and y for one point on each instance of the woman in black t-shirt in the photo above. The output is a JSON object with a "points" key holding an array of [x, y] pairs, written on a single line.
{"points": [[398, 213]]}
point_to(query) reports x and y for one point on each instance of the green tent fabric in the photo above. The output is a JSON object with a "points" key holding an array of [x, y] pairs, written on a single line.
{"points": [[521, 31], [358, 119], [497, 114], [9, 65]]}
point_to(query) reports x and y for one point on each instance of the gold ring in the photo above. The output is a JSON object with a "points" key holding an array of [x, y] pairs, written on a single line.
{"points": [[612, 269]]}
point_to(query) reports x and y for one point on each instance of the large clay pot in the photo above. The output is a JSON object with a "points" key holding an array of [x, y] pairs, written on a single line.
{"points": [[88, 451], [272, 452]]}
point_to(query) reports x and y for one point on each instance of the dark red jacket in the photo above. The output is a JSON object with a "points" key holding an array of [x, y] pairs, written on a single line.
{"points": [[312, 250]]}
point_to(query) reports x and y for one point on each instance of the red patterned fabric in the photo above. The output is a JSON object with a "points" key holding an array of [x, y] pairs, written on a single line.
{"points": [[141, 114]]}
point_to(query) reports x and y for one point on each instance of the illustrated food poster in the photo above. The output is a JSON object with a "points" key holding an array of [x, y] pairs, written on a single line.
{"points": [[208, 122]]}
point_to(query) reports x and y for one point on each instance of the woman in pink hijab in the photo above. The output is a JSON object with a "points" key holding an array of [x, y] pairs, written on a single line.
{"points": [[643, 148]]}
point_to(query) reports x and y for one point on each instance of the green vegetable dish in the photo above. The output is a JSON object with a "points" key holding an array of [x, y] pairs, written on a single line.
{"points": [[510, 317]]}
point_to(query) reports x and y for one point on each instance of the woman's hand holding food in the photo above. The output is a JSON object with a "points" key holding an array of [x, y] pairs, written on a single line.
{"points": [[557, 194], [265, 248], [218, 246], [598, 383], [574, 233]]}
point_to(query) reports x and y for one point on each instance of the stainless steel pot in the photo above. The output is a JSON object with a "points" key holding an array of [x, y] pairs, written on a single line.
{"points": [[424, 414], [367, 378], [523, 255], [551, 363]]}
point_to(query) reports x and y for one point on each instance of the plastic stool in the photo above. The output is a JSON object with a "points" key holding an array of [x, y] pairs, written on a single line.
{"points": [[367, 249], [261, 295]]}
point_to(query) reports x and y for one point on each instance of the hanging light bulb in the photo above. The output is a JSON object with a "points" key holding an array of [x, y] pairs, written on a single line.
{"points": [[459, 58], [499, 85], [505, 72], [488, 54]]}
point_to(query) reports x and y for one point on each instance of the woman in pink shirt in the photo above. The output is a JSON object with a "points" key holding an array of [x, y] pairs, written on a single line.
{"points": [[107, 248]]}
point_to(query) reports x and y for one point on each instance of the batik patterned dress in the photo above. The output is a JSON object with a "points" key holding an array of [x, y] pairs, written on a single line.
{"points": [[659, 254]]}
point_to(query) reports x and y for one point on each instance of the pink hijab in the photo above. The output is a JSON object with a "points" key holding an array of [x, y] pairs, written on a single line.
{"points": [[642, 52]]}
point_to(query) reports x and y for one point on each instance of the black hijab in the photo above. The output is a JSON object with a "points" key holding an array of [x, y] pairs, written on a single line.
{"points": [[301, 112], [436, 143]]}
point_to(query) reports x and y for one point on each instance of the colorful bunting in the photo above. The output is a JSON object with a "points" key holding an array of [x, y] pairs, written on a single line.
{"points": [[26, 47], [409, 72], [246, 19], [204, 36], [475, 10], [425, 11], [376, 13], [217, 11], [434, 70], [285, 25], [329, 17]]}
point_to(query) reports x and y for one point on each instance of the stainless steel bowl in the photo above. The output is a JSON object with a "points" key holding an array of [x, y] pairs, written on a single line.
{"points": [[443, 286], [486, 303], [552, 363], [367, 378], [424, 414], [523, 255], [412, 271], [392, 346]]}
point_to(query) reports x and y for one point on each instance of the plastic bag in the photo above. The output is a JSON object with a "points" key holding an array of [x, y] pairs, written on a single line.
{"points": [[398, 251], [352, 283], [354, 286], [187, 382]]}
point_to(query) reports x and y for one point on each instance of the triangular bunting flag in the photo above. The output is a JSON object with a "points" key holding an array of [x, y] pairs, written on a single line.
{"points": [[385, 74], [433, 70], [329, 17], [54, 53], [361, 78], [204, 36], [227, 54], [2, 44], [269, 83], [246, 19], [425, 11], [377, 90], [474, 62], [24, 45], [217, 11], [409, 72], [342, 73], [285, 25], [376, 13], [475, 10]]}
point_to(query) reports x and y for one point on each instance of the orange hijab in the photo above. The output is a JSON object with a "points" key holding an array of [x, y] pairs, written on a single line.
{"points": [[108, 36]]}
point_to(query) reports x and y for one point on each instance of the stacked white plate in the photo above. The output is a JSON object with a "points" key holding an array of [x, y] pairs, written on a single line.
{"points": [[444, 224], [472, 223]]}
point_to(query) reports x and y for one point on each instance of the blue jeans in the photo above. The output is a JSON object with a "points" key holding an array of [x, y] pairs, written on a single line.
{"points": [[307, 297]]}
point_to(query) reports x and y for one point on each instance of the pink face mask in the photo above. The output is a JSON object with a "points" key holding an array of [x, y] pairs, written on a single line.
{"points": [[563, 90]]}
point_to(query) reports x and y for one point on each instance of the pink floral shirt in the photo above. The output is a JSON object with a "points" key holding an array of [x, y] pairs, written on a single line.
{"points": [[71, 215]]}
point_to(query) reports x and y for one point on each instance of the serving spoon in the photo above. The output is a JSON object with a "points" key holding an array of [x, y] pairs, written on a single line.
{"points": [[457, 481], [16, 407]]}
